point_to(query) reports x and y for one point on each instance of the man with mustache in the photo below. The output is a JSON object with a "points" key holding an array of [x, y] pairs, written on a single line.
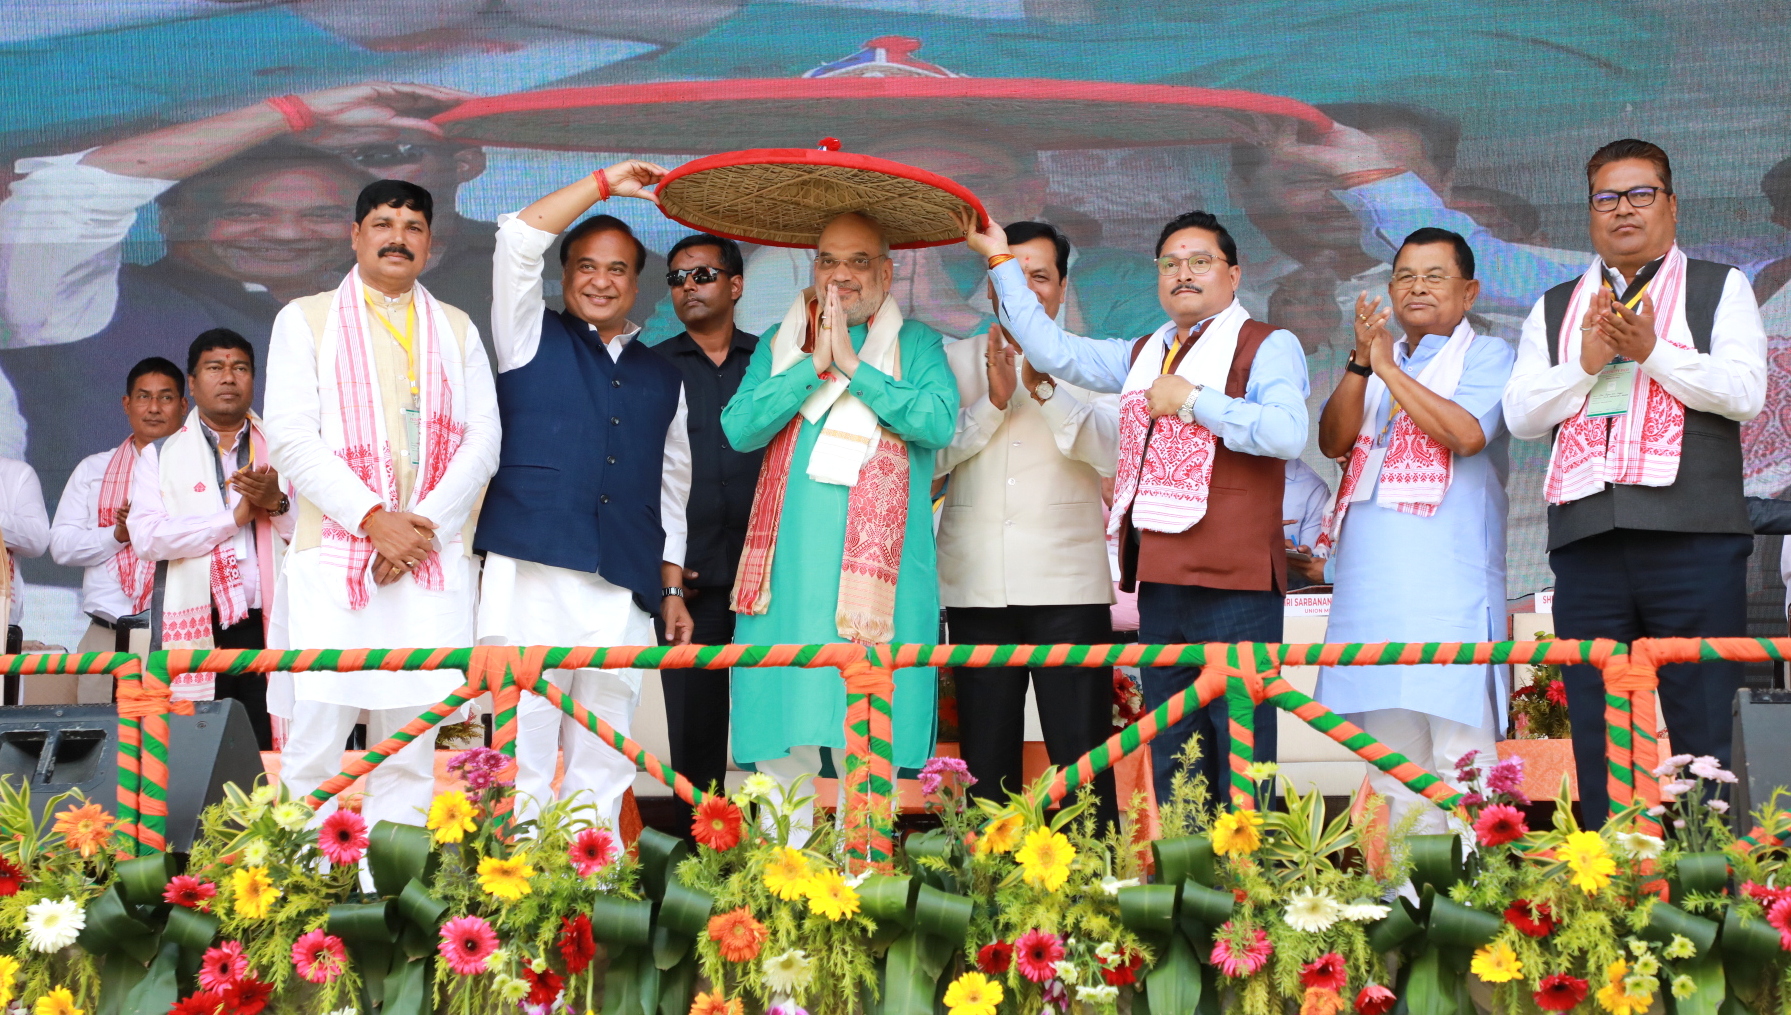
{"points": [[1418, 525], [381, 412], [850, 403], [1642, 370], [1212, 405], [583, 528]]}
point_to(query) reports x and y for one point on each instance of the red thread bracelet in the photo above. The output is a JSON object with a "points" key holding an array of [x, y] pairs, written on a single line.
{"points": [[602, 185], [299, 116]]}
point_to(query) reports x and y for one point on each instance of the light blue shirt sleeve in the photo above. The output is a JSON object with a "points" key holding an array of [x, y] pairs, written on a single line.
{"points": [[1270, 420], [1511, 274], [1097, 364]]}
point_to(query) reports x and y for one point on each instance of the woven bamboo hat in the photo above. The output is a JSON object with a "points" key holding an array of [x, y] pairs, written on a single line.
{"points": [[782, 197]]}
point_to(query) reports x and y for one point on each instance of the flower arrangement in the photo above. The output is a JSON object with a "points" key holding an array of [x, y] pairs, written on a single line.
{"points": [[1539, 708], [1008, 908]]}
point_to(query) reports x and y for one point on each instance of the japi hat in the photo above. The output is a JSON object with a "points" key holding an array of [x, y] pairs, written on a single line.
{"points": [[782, 197]]}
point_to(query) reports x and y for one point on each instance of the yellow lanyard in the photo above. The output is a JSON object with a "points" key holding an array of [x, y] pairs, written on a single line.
{"points": [[1169, 357], [404, 338]]}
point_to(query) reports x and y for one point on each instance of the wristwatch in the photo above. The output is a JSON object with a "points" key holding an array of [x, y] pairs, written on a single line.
{"points": [[285, 506], [1357, 368], [1043, 391], [1186, 412], [671, 592]]}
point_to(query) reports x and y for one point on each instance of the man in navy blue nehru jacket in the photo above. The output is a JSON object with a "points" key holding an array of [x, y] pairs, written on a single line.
{"points": [[583, 526]]}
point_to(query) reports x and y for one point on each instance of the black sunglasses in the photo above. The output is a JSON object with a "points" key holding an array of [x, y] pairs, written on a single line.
{"points": [[702, 273]]}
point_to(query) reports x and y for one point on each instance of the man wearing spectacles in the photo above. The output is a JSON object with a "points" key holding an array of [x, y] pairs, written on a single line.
{"points": [[711, 353], [1417, 529], [583, 526], [850, 402], [1212, 404], [1643, 370]]}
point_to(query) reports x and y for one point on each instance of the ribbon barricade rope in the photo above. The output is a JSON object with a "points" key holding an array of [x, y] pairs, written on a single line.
{"points": [[1246, 674]]}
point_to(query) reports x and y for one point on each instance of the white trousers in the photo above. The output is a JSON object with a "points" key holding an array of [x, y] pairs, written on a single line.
{"points": [[525, 603], [1430, 741], [399, 789]]}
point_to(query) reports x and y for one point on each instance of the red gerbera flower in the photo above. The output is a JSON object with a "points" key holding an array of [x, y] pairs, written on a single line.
{"points": [[247, 996], [1374, 1000], [1557, 692], [995, 957], [544, 987], [202, 1002], [576, 944], [591, 851], [1535, 919], [1327, 972], [11, 878], [717, 824], [1037, 953], [223, 966], [1499, 824], [1125, 972], [343, 838], [1560, 992], [190, 892]]}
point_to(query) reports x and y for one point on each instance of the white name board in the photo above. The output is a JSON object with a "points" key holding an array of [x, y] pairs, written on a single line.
{"points": [[1307, 604]]}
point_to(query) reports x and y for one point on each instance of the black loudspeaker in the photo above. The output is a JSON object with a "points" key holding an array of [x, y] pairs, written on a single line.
{"points": [[56, 748], [1762, 751]]}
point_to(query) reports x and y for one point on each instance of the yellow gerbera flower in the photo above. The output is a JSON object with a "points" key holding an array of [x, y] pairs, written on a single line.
{"points": [[973, 994], [9, 971], [1589, 860], [830, 896], [1002, 835], [252, 892], [451, 816], [506, 879], [1045, 859], [1235, 832], [1615, 997], [788, 873], [57, 1002], [1497, 963]]}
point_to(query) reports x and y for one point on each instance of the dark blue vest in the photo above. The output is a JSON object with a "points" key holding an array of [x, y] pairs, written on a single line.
{"points": [[577, 484]]}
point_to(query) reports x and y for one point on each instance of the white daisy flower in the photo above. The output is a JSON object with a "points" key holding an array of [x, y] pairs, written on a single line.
{"points": [[1102, 994], [1111, 885], [788, 973], [292, 816], [1311, 913], [255, 853], [1640, 846], [1365, 912], [758, 786], [53, 924], [1066, 971]]}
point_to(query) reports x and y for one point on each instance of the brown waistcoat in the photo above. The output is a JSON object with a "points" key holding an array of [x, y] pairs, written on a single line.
{"points": [[1239, 544]]}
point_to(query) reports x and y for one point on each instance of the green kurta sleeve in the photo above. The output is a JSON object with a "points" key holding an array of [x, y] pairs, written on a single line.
{"points": [[922, 407], [764, 403]]}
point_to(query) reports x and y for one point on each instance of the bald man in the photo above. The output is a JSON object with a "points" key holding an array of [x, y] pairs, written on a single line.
{"points": [[850, 402]]}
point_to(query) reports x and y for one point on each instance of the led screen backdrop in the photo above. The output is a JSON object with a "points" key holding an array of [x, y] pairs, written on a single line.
{"points": [[1106, 119]]}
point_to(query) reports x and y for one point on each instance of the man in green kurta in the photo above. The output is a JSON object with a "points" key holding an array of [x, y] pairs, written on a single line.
{"points": [[850, 402]]}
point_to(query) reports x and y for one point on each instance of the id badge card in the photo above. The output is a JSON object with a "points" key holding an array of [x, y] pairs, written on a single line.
{"points": [[412, 417], [1611, 392], [1371, 473]]}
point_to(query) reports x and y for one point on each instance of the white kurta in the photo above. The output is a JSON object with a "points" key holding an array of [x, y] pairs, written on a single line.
{"points": [[307, 611], [1400, 577]]}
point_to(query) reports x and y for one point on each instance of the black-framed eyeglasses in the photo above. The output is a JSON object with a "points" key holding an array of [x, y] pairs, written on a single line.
{"points": [[1638, 197], [386, 154], [702, 273]]}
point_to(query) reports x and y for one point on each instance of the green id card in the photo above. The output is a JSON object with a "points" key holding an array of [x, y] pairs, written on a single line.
{"points": [[411, 434], [1610, 393]]}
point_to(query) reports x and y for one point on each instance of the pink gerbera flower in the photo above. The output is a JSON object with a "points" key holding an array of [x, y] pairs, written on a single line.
{"points": [[467, 942], [1036, 952], [223, 966], [343, 838], [1779, 916], [1243, 954], [1499, 824], [591, 851], [319, 957]]}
